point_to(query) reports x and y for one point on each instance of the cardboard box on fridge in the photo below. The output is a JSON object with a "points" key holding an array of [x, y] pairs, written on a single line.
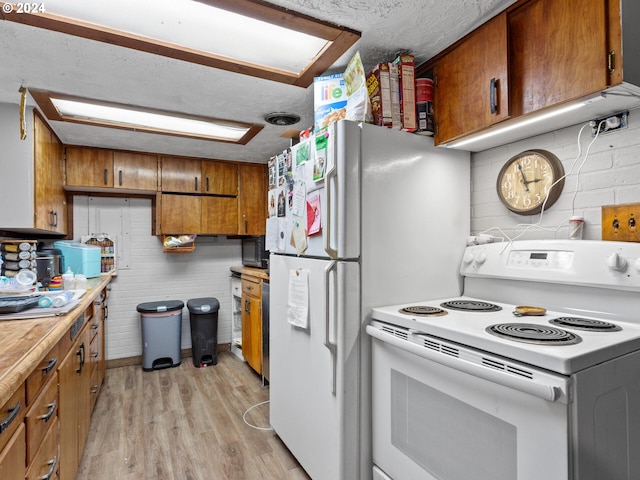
{"points": [[329, 99], [406, 88], [379, 90]]}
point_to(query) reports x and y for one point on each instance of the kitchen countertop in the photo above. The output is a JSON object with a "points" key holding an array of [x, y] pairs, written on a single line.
{"points": [[262, 273], [26, 342]]}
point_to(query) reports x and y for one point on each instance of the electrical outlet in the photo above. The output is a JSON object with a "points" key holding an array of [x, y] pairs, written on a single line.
{"points": [[609, 123], [621, 222]]}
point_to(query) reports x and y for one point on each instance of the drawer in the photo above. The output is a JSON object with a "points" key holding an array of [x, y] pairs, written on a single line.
{"points": [[42, 373], [40, 416], [96, 385], [45, 463], [11, 415], [250, 287], [12, 458]]}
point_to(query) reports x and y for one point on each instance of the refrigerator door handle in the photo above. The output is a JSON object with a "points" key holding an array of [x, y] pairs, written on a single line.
{"points": [[331, 173], [332, 267]]}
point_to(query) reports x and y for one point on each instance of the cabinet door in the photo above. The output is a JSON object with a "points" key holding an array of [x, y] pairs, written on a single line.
{"points": [[219, 215], [74, 407], [135, 171], [89, 167], [558, 52], [471, 82], [220, 178], [180, 214], [13, 457], [252, 202], [252, 331], [50, 197], [181, 174]]}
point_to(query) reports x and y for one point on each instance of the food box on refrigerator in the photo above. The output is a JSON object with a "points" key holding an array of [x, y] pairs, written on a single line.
{"points": [[329, 99]]}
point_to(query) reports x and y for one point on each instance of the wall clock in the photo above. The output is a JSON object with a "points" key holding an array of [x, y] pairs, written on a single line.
{"points": [[524, 182]]}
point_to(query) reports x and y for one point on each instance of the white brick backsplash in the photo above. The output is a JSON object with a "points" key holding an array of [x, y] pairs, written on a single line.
{"points": [[156, 276], [610, 175]]}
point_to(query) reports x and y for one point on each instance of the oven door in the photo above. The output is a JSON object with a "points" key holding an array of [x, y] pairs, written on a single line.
{"points": [[445, 412]]}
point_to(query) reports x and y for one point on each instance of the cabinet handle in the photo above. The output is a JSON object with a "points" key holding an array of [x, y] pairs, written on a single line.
{"points": [[55, 219], [492, 96], [246, 226], [247, 306], [94, 389], [52, 408], [120, 177], [196, 182], [52, 363], [106, 312], [95, 354], [106, 176], [52, 221], [95, 326], [207, 180], [80, 353], [13, 413], [52, 463], [611, 61]]}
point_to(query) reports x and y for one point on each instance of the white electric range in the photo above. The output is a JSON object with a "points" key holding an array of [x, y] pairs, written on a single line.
{"points": [[562, 385]]}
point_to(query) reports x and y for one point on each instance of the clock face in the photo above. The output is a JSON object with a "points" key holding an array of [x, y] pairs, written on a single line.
{"points": [[526, 180]]}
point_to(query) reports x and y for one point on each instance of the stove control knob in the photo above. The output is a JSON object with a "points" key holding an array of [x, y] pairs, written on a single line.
{"points": [[467, 258], [481, 258], [616, 262]]}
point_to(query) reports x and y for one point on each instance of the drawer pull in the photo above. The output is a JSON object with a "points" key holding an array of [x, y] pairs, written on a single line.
{"points": [[13, 413], [52, 464], [52, 408], [95, 326], [95, 354], [94, 389], [52, 363]]}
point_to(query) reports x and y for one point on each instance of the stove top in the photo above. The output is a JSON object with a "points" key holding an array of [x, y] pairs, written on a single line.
{"points": [[554, 341]]}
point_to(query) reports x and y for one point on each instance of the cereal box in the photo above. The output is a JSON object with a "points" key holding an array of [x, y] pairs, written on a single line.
{"points": [[329, 99], [380, 94], [406, 86]]}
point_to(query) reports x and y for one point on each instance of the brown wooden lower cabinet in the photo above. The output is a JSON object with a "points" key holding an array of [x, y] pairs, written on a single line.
{"points": [[74, 411], [13, 455], [251, 301]]}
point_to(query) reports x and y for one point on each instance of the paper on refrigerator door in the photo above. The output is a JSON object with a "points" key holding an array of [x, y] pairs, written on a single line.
{"points": [[298, 298]]}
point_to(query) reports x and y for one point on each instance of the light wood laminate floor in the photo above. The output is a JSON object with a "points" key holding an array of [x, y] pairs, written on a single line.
{"points": [[185, 423]]}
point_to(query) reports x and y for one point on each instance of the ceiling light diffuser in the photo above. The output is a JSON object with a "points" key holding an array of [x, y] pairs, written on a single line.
{"points": [[249, 37], [66, 108]]}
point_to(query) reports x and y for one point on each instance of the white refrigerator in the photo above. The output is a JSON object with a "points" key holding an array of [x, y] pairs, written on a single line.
{"points": [[395, 217]]}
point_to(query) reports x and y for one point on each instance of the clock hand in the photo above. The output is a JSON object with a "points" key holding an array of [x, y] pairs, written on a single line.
{"points": [[524, 179]]}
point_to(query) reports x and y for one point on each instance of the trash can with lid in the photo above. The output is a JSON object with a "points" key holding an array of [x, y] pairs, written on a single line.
{"points": [[161, 324], [203, 316]]}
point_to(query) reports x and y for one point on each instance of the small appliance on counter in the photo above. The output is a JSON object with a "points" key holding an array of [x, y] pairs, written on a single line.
{"points": [[254, 253], [81, 258], [49, 264]]}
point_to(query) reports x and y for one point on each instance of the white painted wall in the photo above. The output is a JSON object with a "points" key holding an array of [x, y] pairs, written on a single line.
{"points": [[610, 176], [155, 276]]}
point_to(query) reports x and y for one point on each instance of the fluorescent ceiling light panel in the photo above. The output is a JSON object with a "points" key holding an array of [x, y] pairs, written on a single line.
{"points": [[65, 108], [244, 36], [148, 120]]}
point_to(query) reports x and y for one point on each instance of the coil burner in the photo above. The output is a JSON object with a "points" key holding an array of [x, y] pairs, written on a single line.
{"points": [[471, 306], [585, 324], [531, 333], [423, 311]]}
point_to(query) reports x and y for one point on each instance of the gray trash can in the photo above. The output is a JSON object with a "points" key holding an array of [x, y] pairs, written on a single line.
{"points": [[161, 324], [203, 316]]}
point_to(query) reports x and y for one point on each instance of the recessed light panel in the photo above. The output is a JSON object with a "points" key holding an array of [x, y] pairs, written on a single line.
{"points": [[244, 36]]}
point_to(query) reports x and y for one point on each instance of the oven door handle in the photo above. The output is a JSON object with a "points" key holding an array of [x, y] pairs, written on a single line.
{"points": [[551, 393]]}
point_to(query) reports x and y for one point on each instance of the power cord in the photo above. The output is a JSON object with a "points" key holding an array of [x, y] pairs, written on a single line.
{"points": [[538, 224], [244, 417]]}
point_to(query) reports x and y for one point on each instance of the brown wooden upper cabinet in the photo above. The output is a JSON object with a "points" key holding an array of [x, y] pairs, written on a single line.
{"points": [[471, 82], [91, 168], [194, 175], [252, 204], [534, 55]]}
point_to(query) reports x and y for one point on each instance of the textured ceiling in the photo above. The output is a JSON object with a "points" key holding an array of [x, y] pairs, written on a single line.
{"points": [[57, 62]]}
